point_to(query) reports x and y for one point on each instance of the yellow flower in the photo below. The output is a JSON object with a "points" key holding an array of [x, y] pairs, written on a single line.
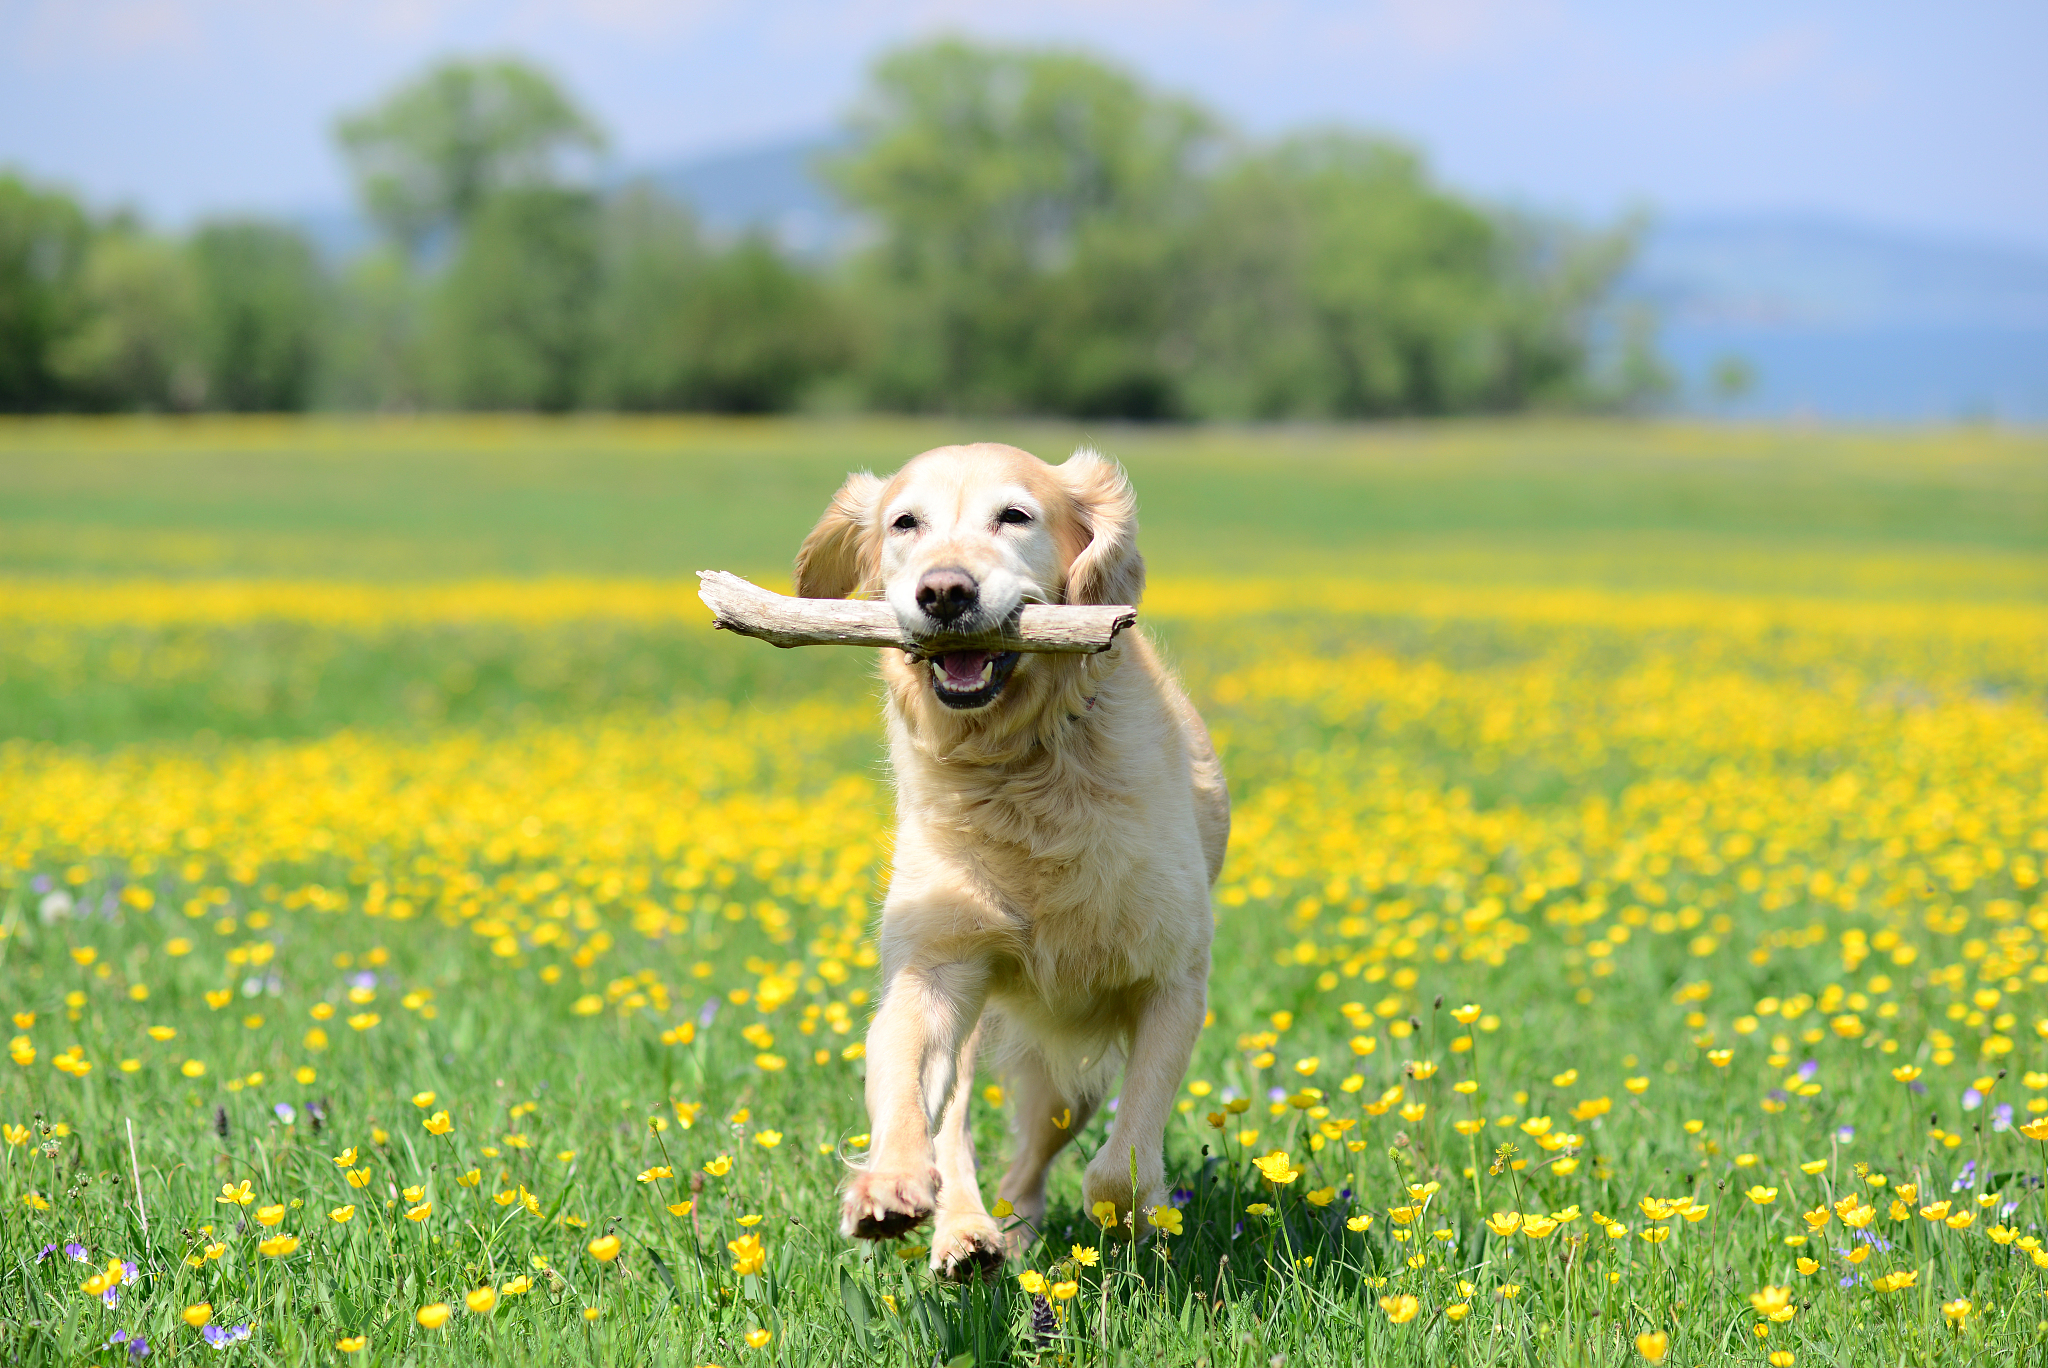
{"points": [[1761, 1195], [1808, 1267], [1360, 1222], [680, 1208], [345, 1158], [1321, 1197], [1906, 1073], [1896, 1282], [1164, 1219], [1818, 1217], [518, 1286], [438, 1123], [1653, 1345], [420, 1212], [1400, 1309], [359, 1178], [423, 1100], [1457, 1311], [2036, 1129], [236, 1194], [1084, 1255], [198, 1314], [655, 1174], [604, 1248], [757, 1338], [470, 1178], [768, 1139], [270, 1215], [1538, 1226], [1277, 1168], [1769, 1300], [482, 1300], [1104, 1214], [432, 1316], [749, 1255], [720, 1166], [1504, 1223], [351, 1344], [277, 1246], [1781, 1358], [1936, 1212], [1467, 1014], [1032, 1282], [1956, 1310], [342, 1215]]}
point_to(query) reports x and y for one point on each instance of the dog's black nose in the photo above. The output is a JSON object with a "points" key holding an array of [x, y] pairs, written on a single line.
{"points": [[947, 594]]}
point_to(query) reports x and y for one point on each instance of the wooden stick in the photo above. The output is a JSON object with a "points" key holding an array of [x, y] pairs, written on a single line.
{"points": [[1041, 628]]}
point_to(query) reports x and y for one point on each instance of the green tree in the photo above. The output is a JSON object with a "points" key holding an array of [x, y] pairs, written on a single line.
{"points": [[1027, 205], [513, 317], [44, 240], [1330, 278], [261, 318], [433, 154], [685, 326], [133, 343]]}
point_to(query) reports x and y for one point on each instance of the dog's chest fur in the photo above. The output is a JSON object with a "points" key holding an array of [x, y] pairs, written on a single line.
{"points": [[1078, 875]]}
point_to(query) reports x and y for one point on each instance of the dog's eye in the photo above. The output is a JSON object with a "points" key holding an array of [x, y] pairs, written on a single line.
{"points": [[906, 522], [1016, 517]]}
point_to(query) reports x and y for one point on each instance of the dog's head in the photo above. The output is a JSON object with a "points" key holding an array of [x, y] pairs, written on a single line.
{"points": [[962, 537]]}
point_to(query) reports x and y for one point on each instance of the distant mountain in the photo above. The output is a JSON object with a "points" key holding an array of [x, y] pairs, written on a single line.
{"points": [[1835, 320], [1801, 272], [774, 189]]}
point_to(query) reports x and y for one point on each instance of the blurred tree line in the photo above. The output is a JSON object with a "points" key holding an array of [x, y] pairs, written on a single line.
{"points": [[1042, 234]]}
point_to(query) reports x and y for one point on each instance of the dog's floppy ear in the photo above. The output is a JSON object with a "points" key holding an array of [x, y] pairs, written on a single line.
{"points": [[838, 557], [1109, 568]]}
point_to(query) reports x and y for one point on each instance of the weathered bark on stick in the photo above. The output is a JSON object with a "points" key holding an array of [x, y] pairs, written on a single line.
{"points": [[1041, 628]]}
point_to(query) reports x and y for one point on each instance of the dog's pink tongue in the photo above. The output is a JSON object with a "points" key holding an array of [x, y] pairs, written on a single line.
{"points": [[963, 668]]}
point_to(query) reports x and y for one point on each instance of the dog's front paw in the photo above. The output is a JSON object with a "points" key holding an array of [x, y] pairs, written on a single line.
{"points": [[1112, 1183], [882, 1204], [967, 1247]]}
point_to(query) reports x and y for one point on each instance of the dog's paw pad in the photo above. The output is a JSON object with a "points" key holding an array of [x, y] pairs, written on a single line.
{"points": [[882, 1206]]}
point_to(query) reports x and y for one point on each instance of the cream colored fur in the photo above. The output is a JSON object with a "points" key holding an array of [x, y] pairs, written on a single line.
{"points": [[1049, 907]]}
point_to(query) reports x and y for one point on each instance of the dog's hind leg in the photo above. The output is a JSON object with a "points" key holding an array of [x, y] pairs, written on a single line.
{"points": [[965, 1240], [1045, 1121]]}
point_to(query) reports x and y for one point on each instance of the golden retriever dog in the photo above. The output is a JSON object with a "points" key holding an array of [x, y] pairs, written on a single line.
{"points": [[1060, 820]]}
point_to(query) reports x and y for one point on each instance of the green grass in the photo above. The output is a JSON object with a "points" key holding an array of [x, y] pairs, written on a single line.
{"points": [[1620, 833]]}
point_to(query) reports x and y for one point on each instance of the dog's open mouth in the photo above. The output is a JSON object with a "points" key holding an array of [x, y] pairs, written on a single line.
{"points": [[970, 679]]}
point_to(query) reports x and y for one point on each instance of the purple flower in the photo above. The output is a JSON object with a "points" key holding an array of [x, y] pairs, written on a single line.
{"points": [[1180, 1196], [42, 883], [112, 1297], [1966, 1179], [76, 1252], [1846, 1134], [221, 1339], [1917, 1088], [47, 1251], [1850, 1281], [1808, 1069], [707, 1012], [2001, 1117], [284, 1112], [1972, 1099], [129, 1273], [138, 1347], [365, 979], [1276, 1094]]}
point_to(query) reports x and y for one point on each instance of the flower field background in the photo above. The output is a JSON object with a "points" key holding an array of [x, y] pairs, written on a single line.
{"points": [[427, 943]]}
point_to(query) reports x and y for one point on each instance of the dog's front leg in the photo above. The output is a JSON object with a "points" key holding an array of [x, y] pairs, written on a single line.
{"points": [[1160, 1046], [914, 1047]]}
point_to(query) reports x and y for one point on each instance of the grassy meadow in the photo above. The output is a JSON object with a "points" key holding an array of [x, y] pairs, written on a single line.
{"points": [[426, 942]]}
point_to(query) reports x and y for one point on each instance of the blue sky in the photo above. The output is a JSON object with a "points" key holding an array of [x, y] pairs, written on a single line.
{"points": [[1914, 115]]}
